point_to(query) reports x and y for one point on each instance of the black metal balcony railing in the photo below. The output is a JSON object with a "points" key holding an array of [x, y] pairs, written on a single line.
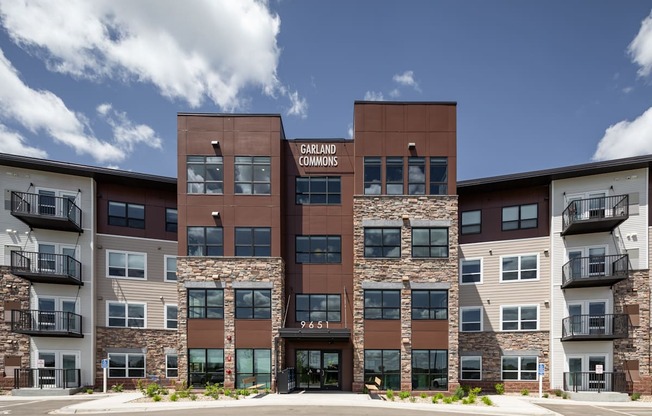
{"points": [[594, 215], [46, 268], [595, 327], [590, 381], [61, 378], [46, 211], [46, 323], [595, 271]]}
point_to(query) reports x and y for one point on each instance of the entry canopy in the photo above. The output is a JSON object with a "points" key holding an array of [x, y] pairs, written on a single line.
{"points": [[307, 334]]}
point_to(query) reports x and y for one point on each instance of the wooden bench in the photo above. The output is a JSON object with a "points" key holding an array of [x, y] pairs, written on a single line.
{"points": [[252, 380], [374, 387]]}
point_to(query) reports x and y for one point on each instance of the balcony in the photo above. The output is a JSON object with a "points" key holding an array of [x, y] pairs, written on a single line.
{"points": [[46, 211], [595, 327], [591, 381], [46, 323], [594, 215], [595, 271], [46, 268], [60, 378]]}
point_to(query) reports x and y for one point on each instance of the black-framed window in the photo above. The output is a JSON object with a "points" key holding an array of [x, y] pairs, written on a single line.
{"points": [[372, 175], [320, 307], [171, 318], [430, 242], [471, 271], [253, 362], [318, 190], [205, 241], [253, 241], [416, 175], [520, 217], [438, 176], [429, 304], [382, 304], [519, 368], [471, 367], [171, 366], [318, 249], [171, 220], [123, 214], [471, 319], [126, 365], [382, 242], [205, 365], [471, 222], [394, 175], [430, 369], [384, 364], [205, 174], [253, 304], [206, 303], [253, 175]]}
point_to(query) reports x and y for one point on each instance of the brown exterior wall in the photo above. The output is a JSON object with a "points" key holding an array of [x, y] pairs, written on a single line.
{"points": [[15, 347], [205, 333]]}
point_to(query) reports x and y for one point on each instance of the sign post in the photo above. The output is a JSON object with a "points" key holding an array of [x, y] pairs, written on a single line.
{"points": [[541, 372], [105, 366]]}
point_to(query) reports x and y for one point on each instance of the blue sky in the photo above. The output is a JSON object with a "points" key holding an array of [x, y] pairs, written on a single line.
{"points": [[538, 84]]}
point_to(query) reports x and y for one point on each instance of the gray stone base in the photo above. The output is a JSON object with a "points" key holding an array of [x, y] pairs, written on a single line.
{"points": [[605, 396], [45, 392]]}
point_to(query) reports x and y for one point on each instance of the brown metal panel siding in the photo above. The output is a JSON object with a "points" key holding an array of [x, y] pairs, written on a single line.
{"points": [[382, 334], [430, 335], [205, 333], [253, 333]]}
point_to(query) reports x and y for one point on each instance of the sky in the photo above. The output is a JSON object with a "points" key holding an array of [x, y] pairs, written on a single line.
{"points": [[538, 85]]}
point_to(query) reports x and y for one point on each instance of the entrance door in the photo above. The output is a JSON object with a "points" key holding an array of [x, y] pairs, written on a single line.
{"points": [[597, 381], [318, 369], [576, 266], [46, 375], [575, 374], [69, 363]]}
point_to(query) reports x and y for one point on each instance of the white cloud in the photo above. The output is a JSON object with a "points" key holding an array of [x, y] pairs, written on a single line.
{"points": [[627, 90], [373, 96], [13, 143], [395, 93], [125, 133], [640, 49], [407, 79], [626, 138], [299, 105], [350, 131]]}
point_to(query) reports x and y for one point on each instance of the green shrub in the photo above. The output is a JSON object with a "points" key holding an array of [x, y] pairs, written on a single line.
{"points": [[439, 396], [118, 388], [546, 395], [227, 392], [174, 397], [500, 388], [448, 400], [525, 392], [404, 395], [89, 391], [423, 395], [184, 393], [454, 398], [558, 392], [487, 400], [390, 394], [193, 396], [459, 393], [140, 385], [244, 392], [565, 396], [156, 398], [413, 399], [212, 390], [636, 396], [267, 390], [155, 389], [476, 391], [435, 400]]}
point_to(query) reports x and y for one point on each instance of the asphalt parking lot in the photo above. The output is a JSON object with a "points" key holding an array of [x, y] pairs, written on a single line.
{"points": [[594, 410]]}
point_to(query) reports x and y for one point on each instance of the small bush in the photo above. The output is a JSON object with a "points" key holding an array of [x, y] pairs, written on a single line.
{"points": [[459, 393], [413, 399], [439, 396], [435, 400], [546, 395], [117, 388], [155, 390], [174, 397], [454, 398], [476, 391], [564, 396], [404, 395], [89, 391], [184, 393], [390, 394], [244, 392], [500, 388], [156, 398], [227, 392], [487, 400], [558, 392], [140, 385], [448, 400], [525, 392], [636, 396], [423, 395], [212, 390], [193, 396]]}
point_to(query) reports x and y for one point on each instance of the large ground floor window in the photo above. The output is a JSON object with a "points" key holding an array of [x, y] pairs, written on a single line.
{"points": [[205, 366], [384, 364], [430, 369], [253, 367]]}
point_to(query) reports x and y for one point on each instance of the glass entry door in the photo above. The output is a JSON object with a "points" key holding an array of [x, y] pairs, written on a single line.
{"points": [[317, 369]]}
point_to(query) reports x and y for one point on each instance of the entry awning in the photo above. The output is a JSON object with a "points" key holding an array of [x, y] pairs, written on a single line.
{"points": [[307, 334]]}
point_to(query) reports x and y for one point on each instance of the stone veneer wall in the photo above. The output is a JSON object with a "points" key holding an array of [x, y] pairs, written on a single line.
{"points": [[13, 289], [229, 270], [416, 270]]}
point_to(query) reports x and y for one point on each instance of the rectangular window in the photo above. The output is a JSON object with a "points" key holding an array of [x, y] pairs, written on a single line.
{"points": [[123, 264], [519, 368], [318, 308], [318, 249], [205, 174], [171, 220], [430, 242], [171, 319], [253, 242], [515, 268], [519, 318], [471, 319], [416, 175], [205, 366], [123, 214], [471, 368], [429, 369], [253, 175], [384, 364], [171, 366], [429, 304], [438, 176], [126, 365], [471, 271], [256, 363], [372, 178], [206, 303], [394, 176], [382, 304], [382, 242], [471, 222], [205, 241], [253, 304], [318, 190], [125, 315], [520, 217], [170, 268]]}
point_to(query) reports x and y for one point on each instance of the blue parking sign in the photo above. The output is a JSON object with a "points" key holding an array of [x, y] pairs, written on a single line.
{"points": [[542, 369], [105, 363]]}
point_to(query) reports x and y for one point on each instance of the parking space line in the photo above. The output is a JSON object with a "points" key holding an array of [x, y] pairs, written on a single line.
{"points": [[19, 404], [612, 410]]}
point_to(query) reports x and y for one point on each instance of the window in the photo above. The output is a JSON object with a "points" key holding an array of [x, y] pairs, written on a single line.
{"points": [[253, 242], [519, 268], [126, 215], [382, 242], [318, 308], [430, 242], [205, 241], [206, 303], [126, 365], [171, 366], [471, 368], [171, 319], [171, 220], [429, 369], [126, 265], [205, 174], [520, 217], [125, 315], [416, 175], [438, 176], [384, 364], [253, 363], [382, 304], [170, 268], [372, 181], [253, 175], [429, 304], [519, 368], [471, 319], [318, 249], [471, 271], [253, 304], [471, 222], [519, 318], [394, 176], [313, 190], [205, 366]]}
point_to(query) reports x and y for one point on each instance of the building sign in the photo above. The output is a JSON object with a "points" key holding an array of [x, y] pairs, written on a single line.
{"points": [[318, 155]]}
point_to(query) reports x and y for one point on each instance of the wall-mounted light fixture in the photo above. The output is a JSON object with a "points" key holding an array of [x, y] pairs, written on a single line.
{"points": [[216, 214], [412, 145], [215, 142]]}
